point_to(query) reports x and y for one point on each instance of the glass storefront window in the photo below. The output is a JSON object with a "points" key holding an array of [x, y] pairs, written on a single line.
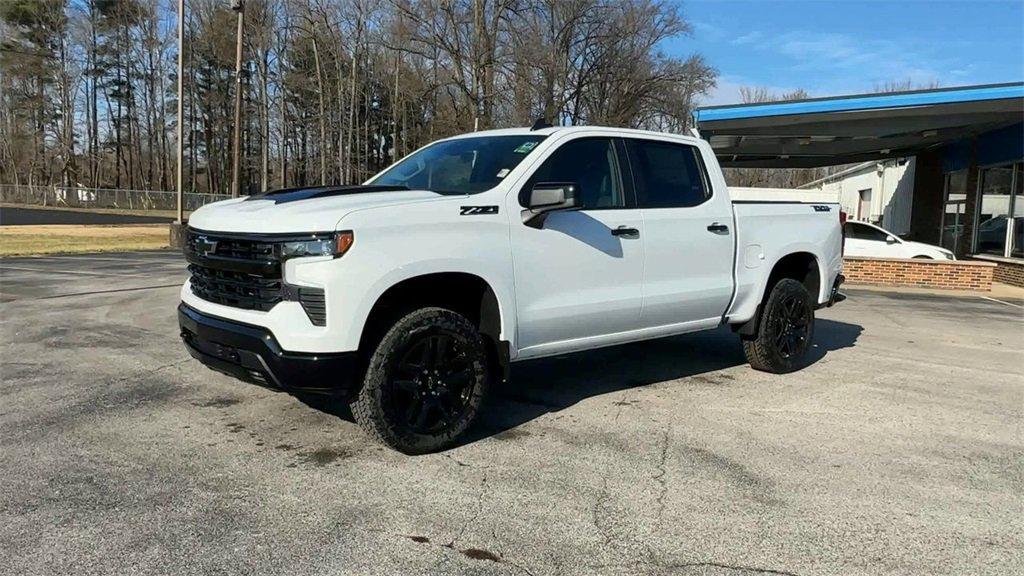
{"points": [[1017, 235], [1000, 218], [953, 209]]}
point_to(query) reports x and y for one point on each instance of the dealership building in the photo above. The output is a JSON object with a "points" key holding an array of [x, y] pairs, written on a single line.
{"points": [[943, 166]]}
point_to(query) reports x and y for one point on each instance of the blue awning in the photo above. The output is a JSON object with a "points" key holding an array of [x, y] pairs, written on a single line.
{"points": [[844, 129]]}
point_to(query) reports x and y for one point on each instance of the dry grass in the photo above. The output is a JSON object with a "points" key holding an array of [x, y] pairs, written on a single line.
{"points": [[65, 238]]}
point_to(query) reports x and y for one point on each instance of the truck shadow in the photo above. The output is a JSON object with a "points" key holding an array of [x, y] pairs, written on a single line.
{"points": [[539, 387]]}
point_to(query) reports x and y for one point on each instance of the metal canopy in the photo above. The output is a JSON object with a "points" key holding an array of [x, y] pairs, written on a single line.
{"points": [[847, 129]]}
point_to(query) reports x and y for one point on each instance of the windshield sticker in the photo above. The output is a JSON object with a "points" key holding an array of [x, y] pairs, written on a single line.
{"points": [[502, 173], [525, 147]]}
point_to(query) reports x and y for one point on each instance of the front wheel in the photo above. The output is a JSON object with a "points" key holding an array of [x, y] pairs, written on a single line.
{"points": [[425, 382], [785, 331]]}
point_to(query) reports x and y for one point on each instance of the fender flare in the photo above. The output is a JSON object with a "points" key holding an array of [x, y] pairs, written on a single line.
{"points": [[503, 299]]}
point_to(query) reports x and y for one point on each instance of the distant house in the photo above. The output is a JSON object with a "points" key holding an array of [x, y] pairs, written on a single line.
{"points": [[879, 192]]}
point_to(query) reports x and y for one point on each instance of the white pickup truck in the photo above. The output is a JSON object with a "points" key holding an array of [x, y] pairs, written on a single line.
{"points": [[410, 295]]}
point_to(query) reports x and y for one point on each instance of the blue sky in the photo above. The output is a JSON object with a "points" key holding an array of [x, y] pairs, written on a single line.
{"points": [[843, 47]]}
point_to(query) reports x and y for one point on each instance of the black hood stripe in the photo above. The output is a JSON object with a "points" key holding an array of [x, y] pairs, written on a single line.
{"points": [[295, 194]]}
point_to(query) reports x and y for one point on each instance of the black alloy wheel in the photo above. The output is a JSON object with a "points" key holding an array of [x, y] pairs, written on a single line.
{"points": [[785, 330], [790, 326], [431, 384], [425, 382]]}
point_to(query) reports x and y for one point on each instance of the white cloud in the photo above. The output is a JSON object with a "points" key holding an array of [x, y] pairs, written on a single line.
{"points": [[727, 90], [707, 31], [748, 38], [837, 63]]}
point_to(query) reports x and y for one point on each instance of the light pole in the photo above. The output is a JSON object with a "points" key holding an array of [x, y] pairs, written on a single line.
{"points": [[181, 116], [236, 175]]}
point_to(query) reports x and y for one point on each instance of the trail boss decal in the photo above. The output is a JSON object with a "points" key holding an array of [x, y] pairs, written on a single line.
{"points": [[474, 210]]}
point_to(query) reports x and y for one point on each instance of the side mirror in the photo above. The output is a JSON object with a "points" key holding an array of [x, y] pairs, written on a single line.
{"points": [[890, 239], [547, 197]]}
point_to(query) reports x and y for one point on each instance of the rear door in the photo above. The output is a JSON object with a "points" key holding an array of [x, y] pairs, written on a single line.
{"points": [[688, 236], [578, 276]]}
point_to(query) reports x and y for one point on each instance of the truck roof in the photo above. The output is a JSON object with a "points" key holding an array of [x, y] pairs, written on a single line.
{"points": [[524, 131]]}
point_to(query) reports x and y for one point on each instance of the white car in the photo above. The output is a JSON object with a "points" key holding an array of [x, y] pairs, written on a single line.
{"points": [[869, 241], [407, 297]]}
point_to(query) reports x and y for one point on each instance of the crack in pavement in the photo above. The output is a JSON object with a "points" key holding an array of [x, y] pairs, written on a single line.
{"points": [[595, 514], [725, 566], [660, 476], [621, 404], [152, 371], [472, 520], [675, 566]]}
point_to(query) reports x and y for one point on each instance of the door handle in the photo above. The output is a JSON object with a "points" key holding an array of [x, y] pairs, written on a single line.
{"points": [[626, 232], [716, 228]]}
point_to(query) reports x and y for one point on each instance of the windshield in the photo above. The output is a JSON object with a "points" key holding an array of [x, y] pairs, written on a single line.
{"points": [[460, 166]]}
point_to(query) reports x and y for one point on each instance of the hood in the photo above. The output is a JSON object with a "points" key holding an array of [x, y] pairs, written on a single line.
{"points": [[926, 248], [299, 210]]}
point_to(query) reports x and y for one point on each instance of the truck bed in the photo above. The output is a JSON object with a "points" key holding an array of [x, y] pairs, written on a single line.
{"points": [[768, 230]]}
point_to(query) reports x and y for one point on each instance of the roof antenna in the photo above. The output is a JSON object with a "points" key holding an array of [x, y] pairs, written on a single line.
{"points": [[540, 123]]}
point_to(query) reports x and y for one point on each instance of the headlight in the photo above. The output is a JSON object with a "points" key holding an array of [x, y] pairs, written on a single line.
{"points": [[949, 255], [329, 245]]}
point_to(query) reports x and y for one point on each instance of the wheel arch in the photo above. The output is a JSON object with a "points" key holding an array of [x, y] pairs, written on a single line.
{"points": [[464, 292], [802, 266]]}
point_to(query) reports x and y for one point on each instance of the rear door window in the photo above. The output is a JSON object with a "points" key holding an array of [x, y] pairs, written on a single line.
{"points": [[667, 175]]}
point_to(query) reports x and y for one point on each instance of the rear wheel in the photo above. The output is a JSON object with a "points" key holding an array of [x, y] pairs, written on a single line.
{"points": [[425, 382], [785, 331]]}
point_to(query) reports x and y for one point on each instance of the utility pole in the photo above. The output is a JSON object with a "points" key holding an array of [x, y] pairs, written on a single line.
{"points": [[181, 116], [236, 175]]}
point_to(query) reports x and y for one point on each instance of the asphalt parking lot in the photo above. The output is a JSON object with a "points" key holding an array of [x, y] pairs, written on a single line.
{"points": [[11, 216], [900, 451]]}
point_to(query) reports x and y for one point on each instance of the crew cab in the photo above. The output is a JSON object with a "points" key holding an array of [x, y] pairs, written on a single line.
{"points": [[409, 296]]}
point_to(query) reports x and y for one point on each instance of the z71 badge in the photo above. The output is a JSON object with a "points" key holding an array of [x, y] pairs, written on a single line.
{"points": [[820, 208], [474, 210]]}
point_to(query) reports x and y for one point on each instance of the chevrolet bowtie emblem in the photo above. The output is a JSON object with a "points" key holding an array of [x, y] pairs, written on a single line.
{"points": [[205, 246]]}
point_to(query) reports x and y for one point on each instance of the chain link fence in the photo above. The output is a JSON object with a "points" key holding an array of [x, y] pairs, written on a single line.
{"points": [[79, 197]]}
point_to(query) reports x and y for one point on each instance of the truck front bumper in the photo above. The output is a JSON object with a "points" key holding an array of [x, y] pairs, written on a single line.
{"points": [[252, 353]]}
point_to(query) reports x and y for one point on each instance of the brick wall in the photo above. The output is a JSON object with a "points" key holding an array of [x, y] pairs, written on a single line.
{"points": [[920, 273], [1009, 273]]}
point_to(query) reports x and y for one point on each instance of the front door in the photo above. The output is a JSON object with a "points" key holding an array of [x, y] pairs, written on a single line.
{"points": [[578, 277]]}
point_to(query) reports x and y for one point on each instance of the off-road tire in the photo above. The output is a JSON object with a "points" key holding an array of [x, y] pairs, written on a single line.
{"points": [[764, 351], [374, 408]]}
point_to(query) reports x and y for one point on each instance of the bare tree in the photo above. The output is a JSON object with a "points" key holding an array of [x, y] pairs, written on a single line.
{"points": [[333, 90]]}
